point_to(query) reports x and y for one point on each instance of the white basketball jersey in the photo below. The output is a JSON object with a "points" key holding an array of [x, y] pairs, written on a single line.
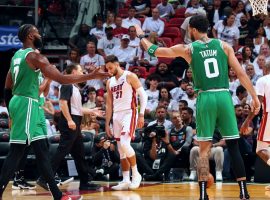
{"points": [[263, 89], [124, 96]]}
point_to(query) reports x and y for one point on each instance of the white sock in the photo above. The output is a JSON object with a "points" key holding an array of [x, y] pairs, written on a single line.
{"points": [[134, 170], [126, 176], [268, 162]]}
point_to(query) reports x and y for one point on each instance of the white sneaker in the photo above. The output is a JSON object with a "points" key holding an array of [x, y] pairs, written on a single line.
{"points": [[121, 186], [136, 181], [193, 175], [219, 176]]}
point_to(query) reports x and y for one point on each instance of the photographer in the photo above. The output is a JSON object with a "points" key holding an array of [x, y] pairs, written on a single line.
{"points": [[105, 157], [158, 152]]}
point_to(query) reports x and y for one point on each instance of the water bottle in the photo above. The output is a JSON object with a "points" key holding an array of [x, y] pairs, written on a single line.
{"points": [[171, 175]]}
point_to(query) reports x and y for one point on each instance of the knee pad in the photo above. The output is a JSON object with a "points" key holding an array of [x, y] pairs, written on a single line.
{"points": [[125, 145], [261, 146]]}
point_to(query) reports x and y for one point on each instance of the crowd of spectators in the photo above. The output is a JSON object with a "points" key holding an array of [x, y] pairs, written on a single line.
{"points": [[170, 136]]}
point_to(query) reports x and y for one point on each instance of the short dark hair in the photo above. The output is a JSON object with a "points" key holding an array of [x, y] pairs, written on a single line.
{"points": [[154, 77], [161, 107], [23, 31], [111, 58], [240, 89], [91, 89], [238, 106], [199, 22], [184, 102], [189, 110], [71, 67]]}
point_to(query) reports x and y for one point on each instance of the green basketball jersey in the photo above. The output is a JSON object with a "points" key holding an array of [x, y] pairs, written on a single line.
{"points": [[25, 79], [209, 65]]}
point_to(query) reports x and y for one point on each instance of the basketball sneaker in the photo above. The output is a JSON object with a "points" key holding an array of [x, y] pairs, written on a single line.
{"points": [[121, 186], [71, 197], [136, 181], [193, 176], [21, 183], [219, 176]]}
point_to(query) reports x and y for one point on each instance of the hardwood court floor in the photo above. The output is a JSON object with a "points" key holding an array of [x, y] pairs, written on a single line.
{"points": [[147, 191]]}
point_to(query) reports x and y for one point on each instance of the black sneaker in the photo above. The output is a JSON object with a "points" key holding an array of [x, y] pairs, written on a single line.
{"points": [[205, 198], [246, 197], [22, 184], [89, 186], [42, 183]]}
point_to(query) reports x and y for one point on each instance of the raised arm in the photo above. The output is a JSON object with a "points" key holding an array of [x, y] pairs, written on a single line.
{"points": [[36, 60]]}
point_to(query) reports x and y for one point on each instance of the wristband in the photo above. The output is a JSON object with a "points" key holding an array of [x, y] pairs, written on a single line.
{"points": [[152, 50]]}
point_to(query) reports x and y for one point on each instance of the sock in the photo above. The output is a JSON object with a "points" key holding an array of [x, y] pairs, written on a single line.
{"points": [[126, 176], [203, 193], [243, 189], [134, 170]]}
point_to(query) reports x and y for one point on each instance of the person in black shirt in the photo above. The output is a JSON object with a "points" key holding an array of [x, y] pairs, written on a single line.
{"points": [[105, 157], [142, 7], [71, 140]]}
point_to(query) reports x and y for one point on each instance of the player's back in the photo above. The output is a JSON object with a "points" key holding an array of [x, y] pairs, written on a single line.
{"points": [[25, 79], [124, 96], [263, 89], [209, 65]]}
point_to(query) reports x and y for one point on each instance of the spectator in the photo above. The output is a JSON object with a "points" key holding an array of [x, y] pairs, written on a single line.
{"points": [[105, 157], [91, 103], [152, 92], [179, 92], [109, 21], [191, 98], [167, 78], [233, 81], [259, 39], [267, 27], [181, 138], [119, 30], [134, 40], [142, 58], [187, 118], [192, 8], [3, 108], [90, 62], [216, 154], [215, 13], [107, 43], [161, 113], [258, 64], [80, 40], [153, 24], [244, 30], [142, 7], [239, 11], [137, 71], [165, 9], [153, 38], [164, 93], [251, 74], [73, 57], [247, 56], [98, 31], [188, 76], [241, 96], [185, 25], [182, 104], [176, 70], [124, 53], [227, 31], [131, 20]]}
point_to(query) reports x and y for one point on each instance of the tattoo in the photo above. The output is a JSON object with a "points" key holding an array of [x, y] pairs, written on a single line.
{"points": [[203, 168]]}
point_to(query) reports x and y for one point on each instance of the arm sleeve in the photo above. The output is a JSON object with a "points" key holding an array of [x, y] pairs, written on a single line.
{"points": [[65, 92], [143, 99]]}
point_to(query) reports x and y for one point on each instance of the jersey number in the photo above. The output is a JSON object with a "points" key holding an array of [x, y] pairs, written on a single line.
{"points": [[209, 62], [17, 62], [119, 94]]}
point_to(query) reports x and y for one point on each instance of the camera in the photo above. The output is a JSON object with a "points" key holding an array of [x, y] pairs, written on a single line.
{"points": [[158, 129]]}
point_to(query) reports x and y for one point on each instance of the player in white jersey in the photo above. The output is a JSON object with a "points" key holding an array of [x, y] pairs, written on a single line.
{"points": [[121, 104], [263, 138]]}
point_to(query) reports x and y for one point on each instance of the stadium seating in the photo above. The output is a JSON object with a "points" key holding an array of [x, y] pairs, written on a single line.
{"points": [[171, 32], [178, 40], [180, 12], [152, 70], [167, 40], [4, 144], [165, 60], [142, 69], [176, 22]]}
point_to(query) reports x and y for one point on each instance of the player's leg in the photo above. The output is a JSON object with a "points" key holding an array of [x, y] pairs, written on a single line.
{"points": [[125, 167], [229, 131], [10, 164], [262, 151], [206, 112], [129, 123], [42, 156], [19, 181]]}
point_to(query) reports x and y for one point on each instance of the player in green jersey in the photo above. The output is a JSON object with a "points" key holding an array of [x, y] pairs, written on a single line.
{"points": [[209, 60], [22, 78]]}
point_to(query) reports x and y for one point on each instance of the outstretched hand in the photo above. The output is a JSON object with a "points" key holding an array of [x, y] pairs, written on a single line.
{"points": [[98, 74], [98, 112], [255, 105]]}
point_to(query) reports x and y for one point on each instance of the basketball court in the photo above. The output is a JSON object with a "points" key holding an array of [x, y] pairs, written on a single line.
{"points": [[147, 191]]}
